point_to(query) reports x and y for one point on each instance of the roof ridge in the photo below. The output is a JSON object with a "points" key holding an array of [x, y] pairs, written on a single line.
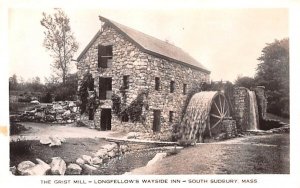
{"points": [[151, 45]]}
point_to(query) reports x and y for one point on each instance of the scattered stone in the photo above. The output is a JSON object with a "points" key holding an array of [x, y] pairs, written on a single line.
{"points": [[111, 154], [132, 135], [89, 169], [23, 166], [96, 161], [110, 147], [54, 142], [158, 157], [58, 166], [86, 158], [13, 170], [73, 169], [80, 161], [124, 148], [40, 169], [45, 141], [101, 153]]}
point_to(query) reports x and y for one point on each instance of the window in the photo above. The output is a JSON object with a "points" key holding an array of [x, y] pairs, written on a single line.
{"points": [[105, 88], [104, 56], [157, 83], [126, 82], [172, 86], [171, 116], [184, 89]]}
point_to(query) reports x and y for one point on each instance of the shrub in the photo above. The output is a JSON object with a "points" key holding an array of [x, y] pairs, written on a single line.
{"points": [[267, 124]]}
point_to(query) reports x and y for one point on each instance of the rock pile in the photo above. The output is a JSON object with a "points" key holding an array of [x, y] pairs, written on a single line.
{"points": [[57, 112], [84, 165]]}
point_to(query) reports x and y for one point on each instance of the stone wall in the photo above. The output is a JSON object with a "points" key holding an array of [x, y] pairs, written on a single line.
{"points": [[241, 108], [142, 69], [261, 101], [230, 129]]}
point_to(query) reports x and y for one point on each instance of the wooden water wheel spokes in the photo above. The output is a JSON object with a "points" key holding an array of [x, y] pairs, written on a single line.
{"points": [[219, 110]]}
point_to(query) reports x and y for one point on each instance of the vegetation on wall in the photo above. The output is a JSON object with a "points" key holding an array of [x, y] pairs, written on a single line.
{"points": [[87, 101], [134, 111]]}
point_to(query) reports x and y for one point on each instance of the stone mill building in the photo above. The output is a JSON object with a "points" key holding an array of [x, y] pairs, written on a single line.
{"points": [[124, 63]]}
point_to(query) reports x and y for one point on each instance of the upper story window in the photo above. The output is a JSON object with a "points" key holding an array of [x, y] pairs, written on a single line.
{"points": [[184, 89], [172, 86], [125, 82], [157, 83], [105, 56]]}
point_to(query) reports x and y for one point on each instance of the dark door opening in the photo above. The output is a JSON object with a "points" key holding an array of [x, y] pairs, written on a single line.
{"points": [[105, 119], [156, 120]]}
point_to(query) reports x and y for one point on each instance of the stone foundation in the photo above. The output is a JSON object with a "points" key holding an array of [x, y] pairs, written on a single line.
{"points": [[241, 108], [230, 128]]}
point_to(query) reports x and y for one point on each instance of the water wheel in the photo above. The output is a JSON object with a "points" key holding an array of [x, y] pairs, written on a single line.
{"points": [[218, 112], [204, 115]]}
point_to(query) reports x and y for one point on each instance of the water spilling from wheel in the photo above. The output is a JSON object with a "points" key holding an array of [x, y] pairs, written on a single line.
{"points": [[253, 111], [204, 115]]}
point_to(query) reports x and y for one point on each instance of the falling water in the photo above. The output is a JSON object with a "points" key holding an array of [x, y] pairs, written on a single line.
{"points": [[195, 119], [253, 113]]}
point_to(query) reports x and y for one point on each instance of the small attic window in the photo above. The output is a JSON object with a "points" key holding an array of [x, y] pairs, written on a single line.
{"points": [[105, 56]]}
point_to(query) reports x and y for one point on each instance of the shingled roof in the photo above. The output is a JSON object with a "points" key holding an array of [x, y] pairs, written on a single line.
{"points": [[150, 45]]}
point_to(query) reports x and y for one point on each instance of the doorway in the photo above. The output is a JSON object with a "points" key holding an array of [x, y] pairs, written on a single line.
{"points": [[156, 120], [105, 122]]}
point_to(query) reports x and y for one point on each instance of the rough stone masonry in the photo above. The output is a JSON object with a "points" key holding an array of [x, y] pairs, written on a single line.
{"points": [[142, 71]]}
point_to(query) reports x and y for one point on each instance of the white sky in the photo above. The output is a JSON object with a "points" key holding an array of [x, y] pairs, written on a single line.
{"points": [[226, 41]]}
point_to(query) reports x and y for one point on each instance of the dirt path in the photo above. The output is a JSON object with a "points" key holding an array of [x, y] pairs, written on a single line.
{"points": [[37, 131], [265, 154]]}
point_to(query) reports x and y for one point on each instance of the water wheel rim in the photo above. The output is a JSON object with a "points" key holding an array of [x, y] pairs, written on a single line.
{"points": [[219, 110]]}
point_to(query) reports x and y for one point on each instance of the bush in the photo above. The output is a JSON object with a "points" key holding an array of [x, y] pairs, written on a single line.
{"points": [[267, 124]]}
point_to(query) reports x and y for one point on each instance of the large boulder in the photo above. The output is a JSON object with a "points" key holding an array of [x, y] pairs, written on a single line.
{"points": [[40, 169], [73, 169], [58, 166], [23, 166]]}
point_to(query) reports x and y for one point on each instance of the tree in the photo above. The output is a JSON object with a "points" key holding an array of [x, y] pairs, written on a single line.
{"points": [[273, 73], [245, 81], [13, 82], [60, 41]]}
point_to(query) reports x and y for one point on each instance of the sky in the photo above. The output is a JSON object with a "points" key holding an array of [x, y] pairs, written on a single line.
{"points": [[226, 41]]}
